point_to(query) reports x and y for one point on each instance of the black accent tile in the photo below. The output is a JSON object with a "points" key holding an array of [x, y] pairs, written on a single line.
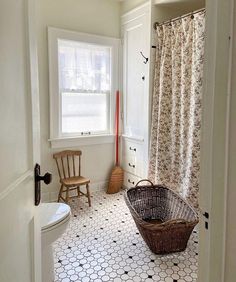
{"points": [[59, 261], [175, 264], [175, 280], [75, 215], [69, 247], [130, 257], [152, 260], [126, 272], [134, 244], [77, 236], [150, 276]]}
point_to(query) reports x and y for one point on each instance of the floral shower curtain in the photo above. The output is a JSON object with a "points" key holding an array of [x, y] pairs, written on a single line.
{"points": [[176, 113]]}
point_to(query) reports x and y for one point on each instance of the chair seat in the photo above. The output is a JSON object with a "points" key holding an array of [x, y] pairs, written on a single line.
{"points": [[75, 181]]}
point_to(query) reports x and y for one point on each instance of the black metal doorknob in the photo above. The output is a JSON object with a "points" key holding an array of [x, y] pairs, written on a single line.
{"points": [[46, 178]]}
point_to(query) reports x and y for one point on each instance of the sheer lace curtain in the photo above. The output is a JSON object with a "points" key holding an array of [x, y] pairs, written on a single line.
{"points": [[176, 113], [84, 67]]}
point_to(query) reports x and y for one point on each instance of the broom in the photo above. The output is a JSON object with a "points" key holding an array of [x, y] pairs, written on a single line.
{"points": [[117, 174]]}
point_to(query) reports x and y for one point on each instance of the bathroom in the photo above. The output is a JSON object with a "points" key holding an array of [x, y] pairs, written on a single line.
{"points": [[100, 242]]}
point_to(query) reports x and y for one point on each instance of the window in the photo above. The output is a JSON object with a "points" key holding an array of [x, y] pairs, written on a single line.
{"points": [[83, 72]]}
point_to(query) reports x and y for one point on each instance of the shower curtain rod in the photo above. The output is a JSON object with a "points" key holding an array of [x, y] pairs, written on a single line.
{"points": [[156, 24]]}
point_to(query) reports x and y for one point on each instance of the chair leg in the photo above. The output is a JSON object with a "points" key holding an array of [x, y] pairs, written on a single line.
{"points": [[88, 194], [78, 191], [59, 194], [67, 194]]}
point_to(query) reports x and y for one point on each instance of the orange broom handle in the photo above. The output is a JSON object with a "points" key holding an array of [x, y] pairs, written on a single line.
{"points": [[117, 126]]}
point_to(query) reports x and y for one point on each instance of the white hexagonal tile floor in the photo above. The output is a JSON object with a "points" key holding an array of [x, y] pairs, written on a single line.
{"points": [[102, 243]]}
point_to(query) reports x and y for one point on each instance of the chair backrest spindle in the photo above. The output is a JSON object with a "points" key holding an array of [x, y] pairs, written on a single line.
{"points": [[63, 167], [58, 168], [68, 165], [73, 158], [79, 167]]}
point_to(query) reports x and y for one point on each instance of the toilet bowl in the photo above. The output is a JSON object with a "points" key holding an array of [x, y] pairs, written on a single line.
{"points": [[54, 219]]}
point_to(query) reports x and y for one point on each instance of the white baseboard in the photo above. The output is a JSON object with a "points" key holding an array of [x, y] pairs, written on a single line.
{"points": [[96, 186]]}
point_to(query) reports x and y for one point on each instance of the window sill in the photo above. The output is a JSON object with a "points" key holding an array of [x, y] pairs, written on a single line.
{"points": [[66, 142]]}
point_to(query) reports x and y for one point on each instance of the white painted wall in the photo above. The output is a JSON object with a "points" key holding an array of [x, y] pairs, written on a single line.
{"points": [[166, 9], [100, 17], [128, 5]]}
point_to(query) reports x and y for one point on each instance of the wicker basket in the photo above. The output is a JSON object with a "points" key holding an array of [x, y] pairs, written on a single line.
{"points": [[163, 218]]}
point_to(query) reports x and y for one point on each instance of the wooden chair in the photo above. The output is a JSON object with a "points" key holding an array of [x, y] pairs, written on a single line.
{"points": [[69, 169]]}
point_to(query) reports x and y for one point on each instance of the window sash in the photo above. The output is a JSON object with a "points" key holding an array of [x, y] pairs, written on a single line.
{"points": [[91, 132]]}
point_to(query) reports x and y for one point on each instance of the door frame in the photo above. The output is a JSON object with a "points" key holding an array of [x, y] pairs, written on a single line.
{"points": [[215, 139]]}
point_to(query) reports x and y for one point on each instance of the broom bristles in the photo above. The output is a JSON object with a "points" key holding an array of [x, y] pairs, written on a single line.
{"points": [[116, 180]]}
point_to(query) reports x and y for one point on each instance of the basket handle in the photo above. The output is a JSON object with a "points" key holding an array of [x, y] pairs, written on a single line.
{"points": [[176, 221], [146, 180]]}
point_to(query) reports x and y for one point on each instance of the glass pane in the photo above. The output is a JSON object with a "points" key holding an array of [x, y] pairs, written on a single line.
{"points": [[83, 112], [84, 67]]}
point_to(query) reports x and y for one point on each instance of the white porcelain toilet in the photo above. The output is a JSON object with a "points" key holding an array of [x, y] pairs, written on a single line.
{"points": [[54, 219]]}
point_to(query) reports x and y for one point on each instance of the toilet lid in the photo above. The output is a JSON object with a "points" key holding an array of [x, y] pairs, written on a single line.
{"points": [[52, 213]]}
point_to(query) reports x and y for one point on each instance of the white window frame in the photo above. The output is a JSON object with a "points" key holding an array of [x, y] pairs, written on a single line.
{"points": [[57, 139]]}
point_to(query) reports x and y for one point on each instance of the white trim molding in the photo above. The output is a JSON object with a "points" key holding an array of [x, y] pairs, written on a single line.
{"points": [[133, 138], [25, 176], [57, 143]]}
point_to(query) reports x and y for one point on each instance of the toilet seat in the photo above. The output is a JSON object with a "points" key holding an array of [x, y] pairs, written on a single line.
{"points": [[53, 214]]}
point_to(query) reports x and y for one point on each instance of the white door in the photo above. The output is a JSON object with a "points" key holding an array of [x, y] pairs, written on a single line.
{"points": [[213, 186], [20, 259]]}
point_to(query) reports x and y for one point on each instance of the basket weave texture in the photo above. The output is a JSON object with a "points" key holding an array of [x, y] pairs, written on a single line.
{"points": [[164, 219]]}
